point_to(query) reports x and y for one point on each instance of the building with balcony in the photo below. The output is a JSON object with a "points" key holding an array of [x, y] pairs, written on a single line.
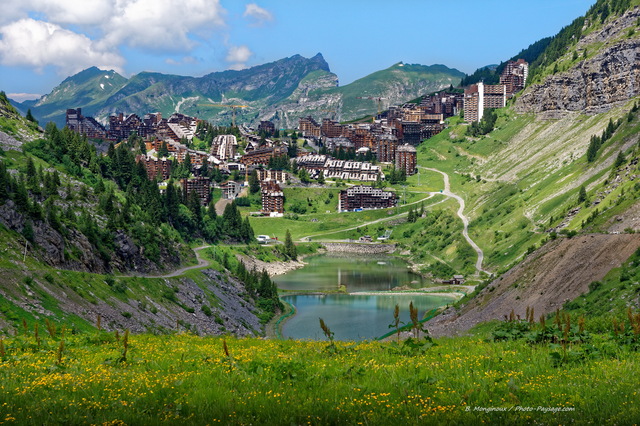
{"points": [[201, 185], [156, 168], [514, 76], [406, 159], [479, 96], [386, 148], [85, 125], [272, 198], [309, 127], [365, 197]]}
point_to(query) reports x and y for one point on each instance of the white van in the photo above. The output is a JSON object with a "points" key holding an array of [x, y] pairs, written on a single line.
{"points": [[263, 239]]}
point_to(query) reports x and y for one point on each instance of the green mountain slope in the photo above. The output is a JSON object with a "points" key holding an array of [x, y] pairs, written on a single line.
{"points": [[283, 91], [87, 89], [88, 238], [396, 85]]}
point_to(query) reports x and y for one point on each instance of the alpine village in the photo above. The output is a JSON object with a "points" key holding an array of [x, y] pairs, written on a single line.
{"points": [[265, 246]]}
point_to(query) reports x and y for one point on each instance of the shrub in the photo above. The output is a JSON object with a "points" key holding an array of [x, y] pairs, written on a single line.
{"points": [[206, 310]]}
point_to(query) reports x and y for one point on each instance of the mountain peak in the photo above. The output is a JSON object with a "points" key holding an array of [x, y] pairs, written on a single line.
{"points": [[322, 63], [86, 75]]}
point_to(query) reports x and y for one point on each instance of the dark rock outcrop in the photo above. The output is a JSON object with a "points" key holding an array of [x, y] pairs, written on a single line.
{"points": [[74, 251], [594, 85]]}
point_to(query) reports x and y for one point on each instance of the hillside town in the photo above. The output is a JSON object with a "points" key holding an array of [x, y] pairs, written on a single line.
{"points": [[354, 153]]}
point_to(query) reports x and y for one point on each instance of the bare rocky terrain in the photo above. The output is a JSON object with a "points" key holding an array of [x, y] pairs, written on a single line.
{"points": [[556, 273], [233, 312]]}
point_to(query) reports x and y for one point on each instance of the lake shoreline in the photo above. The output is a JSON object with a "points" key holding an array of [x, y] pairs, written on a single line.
{"points": [[402, 289]]}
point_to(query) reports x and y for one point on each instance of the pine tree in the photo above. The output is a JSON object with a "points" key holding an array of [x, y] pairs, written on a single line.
{"points": [[5, 182], [411, 217], [582, 195], [254, 183], [290, 249], [163, 151], [30, 117], [592, 151], [186, 164], [304, 176], [247, 230], [21, 196], [32, 173], [211, 210], [27, 231], [266, 287], [193, 203], [171, 202], [619, 160]]}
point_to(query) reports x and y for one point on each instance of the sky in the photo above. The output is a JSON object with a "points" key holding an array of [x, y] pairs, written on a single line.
{"points": [[44, 41]]}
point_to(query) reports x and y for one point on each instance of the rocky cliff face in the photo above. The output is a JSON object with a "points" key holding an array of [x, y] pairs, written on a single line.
{"points": [[597, 84], [215, 304], [75, 252]]}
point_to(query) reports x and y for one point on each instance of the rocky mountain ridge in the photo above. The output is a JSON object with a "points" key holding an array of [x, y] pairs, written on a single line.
{"points": [[596, 84], [282, 91]]}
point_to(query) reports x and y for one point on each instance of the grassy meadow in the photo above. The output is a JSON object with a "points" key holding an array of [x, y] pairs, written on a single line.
{"points": [[106, 378]]}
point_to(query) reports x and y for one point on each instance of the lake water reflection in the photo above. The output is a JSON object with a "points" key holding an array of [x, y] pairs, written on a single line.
{"points": [[351, 317]]}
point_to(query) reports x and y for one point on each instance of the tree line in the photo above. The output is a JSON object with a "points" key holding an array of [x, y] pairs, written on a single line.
{"points": [[139, 209]]}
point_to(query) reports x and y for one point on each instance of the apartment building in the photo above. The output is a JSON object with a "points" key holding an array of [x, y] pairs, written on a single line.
{"points": [[406, 159], [278, 176], [224, 147], [262, 155], [85, 125], [330, 128], [156, 168], [272, 197], [266, 127], [309, 127], [386, 148], [230, 189], [351, 170], [312, 162], [365, 197], [514, 76], [479, 96], [201, 185]]}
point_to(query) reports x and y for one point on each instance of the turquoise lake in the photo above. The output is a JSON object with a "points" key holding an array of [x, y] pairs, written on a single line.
{"points": [[351, 316]]}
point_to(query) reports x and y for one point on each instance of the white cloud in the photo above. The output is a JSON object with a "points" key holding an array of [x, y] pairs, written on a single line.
{"points": [[161, 24], [155, 24], [88, 12], [258, 14], [238, 54], [21, 97], [185, 60], [71, 35], [238, 67], [38, 44]]}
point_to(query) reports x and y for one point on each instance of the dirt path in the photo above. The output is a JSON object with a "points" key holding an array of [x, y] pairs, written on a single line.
{"points": [[384, 219], [465, 220], [221, 204], [202, 263]]}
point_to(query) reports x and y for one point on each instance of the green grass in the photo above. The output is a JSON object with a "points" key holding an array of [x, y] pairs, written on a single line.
{"points": [[186, 379], [610, 297]]}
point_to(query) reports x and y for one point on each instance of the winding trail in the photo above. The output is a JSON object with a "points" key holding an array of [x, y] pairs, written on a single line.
{"points": [[447, 193], [384, 219], [465, 220], [202, 263]]}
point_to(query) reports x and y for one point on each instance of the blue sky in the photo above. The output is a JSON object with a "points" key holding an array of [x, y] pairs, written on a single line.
{"points": [[44, 41]]}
